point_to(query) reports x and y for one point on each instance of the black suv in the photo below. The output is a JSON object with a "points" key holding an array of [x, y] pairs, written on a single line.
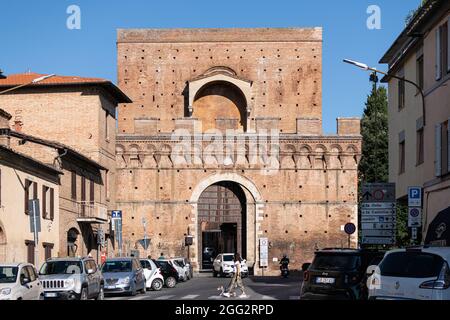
{"points": [[338, 274]]}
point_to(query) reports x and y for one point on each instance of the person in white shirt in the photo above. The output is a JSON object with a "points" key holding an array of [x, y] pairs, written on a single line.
{"points": [[236, 280]]}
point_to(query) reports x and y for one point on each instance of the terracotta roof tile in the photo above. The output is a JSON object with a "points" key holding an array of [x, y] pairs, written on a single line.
{"points": [[24, 78]]}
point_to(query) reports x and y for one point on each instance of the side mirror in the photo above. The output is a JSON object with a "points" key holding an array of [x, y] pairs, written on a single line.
{"points": [[90, 271], [305, 266], [371, 269], [24, 281]]}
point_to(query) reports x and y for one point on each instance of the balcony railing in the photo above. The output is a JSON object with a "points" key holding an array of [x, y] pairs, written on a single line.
{"points": [[92, 212]]}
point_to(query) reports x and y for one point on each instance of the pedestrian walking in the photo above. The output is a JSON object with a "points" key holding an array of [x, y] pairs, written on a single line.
{"points": [[236, 279], [162, 256]]}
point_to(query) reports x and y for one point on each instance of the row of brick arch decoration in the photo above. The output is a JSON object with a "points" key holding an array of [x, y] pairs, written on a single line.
{"points": [[317, 156]]}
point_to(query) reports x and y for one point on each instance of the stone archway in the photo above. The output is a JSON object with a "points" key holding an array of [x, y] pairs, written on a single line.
{"points": [[73, 245], [253, 214], [3, 244]]}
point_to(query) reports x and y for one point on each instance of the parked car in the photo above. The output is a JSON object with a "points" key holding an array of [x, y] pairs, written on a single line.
{"points": [[72, 279], [169, 273], [153, 277], [223, 265], [208, 256], [420, 273], [180, 269], [186, 264], [337, 274], [124, 275], [19, 281]]}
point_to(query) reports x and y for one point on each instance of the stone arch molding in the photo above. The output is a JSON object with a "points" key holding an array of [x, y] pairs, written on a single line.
{"points": [[233, 177], [219, 74]]}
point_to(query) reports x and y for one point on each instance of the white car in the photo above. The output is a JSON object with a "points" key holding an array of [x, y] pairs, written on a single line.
{"points": [[19, 281], [420, 273], [223, 265], [153, 277]]}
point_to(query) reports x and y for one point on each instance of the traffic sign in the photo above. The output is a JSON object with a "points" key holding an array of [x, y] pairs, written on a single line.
{"points": [[413, 233], [378, 240], [349, 228], [378, 192], [378, 205], [263, 252], [378, 219], [375, 226], [116, 214], [414, 197], [414, 217], [377, 233]]}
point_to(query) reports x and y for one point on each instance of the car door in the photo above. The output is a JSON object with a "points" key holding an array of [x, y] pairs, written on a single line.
{"points": [[90, 278], [34, 283], [25, 289], [147, 268]]}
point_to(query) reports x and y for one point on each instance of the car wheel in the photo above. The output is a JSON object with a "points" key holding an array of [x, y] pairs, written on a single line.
{"points": [[84, 294], [157, 284], [171, 282], [101, 294]]}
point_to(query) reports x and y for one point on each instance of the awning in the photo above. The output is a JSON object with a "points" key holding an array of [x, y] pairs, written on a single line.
{"points": [[438, 232]]}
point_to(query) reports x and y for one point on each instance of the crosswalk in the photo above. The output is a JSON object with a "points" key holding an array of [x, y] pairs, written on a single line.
{"points": [[196, 297]]}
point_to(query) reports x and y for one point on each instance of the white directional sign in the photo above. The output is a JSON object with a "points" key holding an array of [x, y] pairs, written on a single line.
{"points": [[263, 252], [378, 213]]}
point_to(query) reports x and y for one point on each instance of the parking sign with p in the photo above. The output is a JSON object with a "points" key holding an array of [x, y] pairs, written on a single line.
{"points": [[414, 197]]}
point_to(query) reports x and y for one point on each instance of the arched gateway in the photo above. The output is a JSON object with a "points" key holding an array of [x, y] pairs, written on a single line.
{"points": [[225, 207]]}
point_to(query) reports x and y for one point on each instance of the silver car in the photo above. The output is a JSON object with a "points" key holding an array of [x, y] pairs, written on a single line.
{"points": [[123, 275], [71, 279]]}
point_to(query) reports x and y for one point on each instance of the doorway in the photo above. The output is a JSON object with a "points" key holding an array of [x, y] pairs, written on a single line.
{"points": [[222, 221]]}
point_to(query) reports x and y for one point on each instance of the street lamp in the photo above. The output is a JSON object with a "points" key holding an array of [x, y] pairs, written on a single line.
{"points": [[365, 67], [34, 81]]}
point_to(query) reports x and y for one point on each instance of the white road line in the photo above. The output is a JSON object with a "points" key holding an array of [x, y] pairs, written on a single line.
{"points": [[165, 297], [114, 298], [294, 298], [139, 297], [190, 297], [268, 298], [215, 297]]}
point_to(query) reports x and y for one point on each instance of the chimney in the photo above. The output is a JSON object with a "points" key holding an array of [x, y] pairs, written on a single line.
{"points": [[4, 128]]}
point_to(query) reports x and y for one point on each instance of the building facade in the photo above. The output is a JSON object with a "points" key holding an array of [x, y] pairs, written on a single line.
{"points": [[78, 113], [23, 178], [418, 130], [223, 142]]}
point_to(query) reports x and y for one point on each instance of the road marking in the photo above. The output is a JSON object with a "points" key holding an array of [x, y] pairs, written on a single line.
{"points": [[165, 297], [190, 297], [294, 298], [114, 298], [139, 297], [267, 298], [215, 297]]}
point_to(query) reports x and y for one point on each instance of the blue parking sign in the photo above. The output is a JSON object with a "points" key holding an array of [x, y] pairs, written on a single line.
{"points": [[116, 214], [414, 197]]}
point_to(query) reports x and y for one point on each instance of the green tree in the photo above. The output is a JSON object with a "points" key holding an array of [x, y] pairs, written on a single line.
{"points": [[373, 166]]}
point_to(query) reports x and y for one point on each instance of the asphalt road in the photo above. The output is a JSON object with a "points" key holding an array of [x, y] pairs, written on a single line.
{"points": [[205, 287]]}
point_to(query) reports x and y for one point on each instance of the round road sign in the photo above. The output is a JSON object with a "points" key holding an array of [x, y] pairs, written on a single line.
{"points": [[349, 228], [414, 213]]}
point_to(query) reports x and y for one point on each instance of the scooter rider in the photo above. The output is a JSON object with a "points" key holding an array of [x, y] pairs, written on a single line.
{"points": [[284, 262]]}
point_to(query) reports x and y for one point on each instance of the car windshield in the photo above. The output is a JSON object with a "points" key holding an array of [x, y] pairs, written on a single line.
{"points": [[162, 264], [61, 267], [335, 262], [228, 257], [8, 274], [117, 266], [411, 265]]}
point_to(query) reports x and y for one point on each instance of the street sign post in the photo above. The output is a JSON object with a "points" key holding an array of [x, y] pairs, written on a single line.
{"points": [[349, 229], [414, 217], [263, 252], [116, 220], [414, 211], [378, 214], [35, 226]]}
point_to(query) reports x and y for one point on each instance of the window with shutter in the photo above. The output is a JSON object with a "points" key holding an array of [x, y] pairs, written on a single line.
{"points": [[52, 203], [30, 251], [437, 146], [74, 186], [27, 195], [444, 148], [438, 53], [44, 202], [91, 191]]}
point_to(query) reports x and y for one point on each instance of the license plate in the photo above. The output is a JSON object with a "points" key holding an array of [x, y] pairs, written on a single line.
{"points": [[110, 287], [51, 294], [325, 280]]}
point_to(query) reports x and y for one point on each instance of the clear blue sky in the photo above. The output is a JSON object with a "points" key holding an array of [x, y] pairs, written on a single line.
{"points": [[33, 35]]}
